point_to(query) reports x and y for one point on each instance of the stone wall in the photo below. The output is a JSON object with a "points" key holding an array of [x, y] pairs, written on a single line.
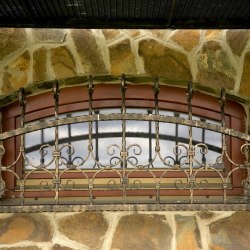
{"points": [[212, 58], [125, 231]]}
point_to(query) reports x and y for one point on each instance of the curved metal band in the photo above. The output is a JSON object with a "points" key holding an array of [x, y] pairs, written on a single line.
{"points": [[137, 117]]}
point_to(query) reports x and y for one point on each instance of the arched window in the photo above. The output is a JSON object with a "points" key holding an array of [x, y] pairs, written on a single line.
{"points": [[127, 144]]}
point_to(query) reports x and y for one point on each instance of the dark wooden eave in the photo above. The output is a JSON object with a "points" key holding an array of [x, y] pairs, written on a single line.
{"points": [[149, 14]]}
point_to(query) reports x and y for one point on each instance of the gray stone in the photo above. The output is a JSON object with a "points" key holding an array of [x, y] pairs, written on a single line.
{"points": [[231, 233], [88, 51], [215, 68], [49, 35]]}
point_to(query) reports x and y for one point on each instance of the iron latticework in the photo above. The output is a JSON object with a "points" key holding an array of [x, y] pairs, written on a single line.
{"points": [[124, 179]]}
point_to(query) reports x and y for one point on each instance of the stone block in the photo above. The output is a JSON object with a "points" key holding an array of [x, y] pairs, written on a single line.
{"points": [[39, 65], [162, 61], [88, 51], [110, 34], [16, 73], [49, 35], [122, 59], [245, 79], [214, 66], [25, 227], [231, 233], [188, 39], [59, 247], [11, 40], [63, 63], [237, 40], [142, 232], [187, 233], [87, 228]]}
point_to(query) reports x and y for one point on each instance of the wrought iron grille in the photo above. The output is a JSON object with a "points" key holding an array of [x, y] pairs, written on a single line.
{"points": [[187, 177]]}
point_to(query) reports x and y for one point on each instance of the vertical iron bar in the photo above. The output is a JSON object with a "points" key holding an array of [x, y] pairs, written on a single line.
{"points": [[222, 101], [124, 153], [56, 153], [191, 151], [90, 145], [22, 103], [156, 89]]}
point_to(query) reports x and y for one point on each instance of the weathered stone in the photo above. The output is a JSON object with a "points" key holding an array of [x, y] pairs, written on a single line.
{"points": [[160, 33], [62, 62], [89, 53], [231, 233], [142, 232], [59, 247], [87, 228], [237, 40], [20, 227], [187, 233], [49, 35], [39, 65], [16, 73], [215, 68], [213, 34], [206, 214], [21, 248], [122, 59], [164, 62], [11, 40], [244, 85], [188, 39], [133, 33], [110, 34]]}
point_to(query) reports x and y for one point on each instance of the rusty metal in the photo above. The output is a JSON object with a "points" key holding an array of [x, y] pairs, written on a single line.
{"points": [[126, 165]]}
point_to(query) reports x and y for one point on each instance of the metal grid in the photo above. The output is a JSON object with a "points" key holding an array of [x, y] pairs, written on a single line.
{"points": [[123, 182]]}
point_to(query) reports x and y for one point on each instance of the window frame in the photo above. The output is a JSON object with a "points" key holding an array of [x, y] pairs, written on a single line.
{"points": [[108, 96]]}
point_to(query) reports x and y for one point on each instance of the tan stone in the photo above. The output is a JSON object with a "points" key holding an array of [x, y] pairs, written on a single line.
{"points": [[245, 79], [16, 73], [164, 62], [39, 65], [213, 34], [21, 227], [231, 233], [11, 40], [62, 62], [142, 232], [237, 40], [21, 248], [110, 34], [88, 51], [215, 68], [188, 39], [49, 35], [187, 233], [133, 32], [87, 228], [160, 33], [122, 59]]}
